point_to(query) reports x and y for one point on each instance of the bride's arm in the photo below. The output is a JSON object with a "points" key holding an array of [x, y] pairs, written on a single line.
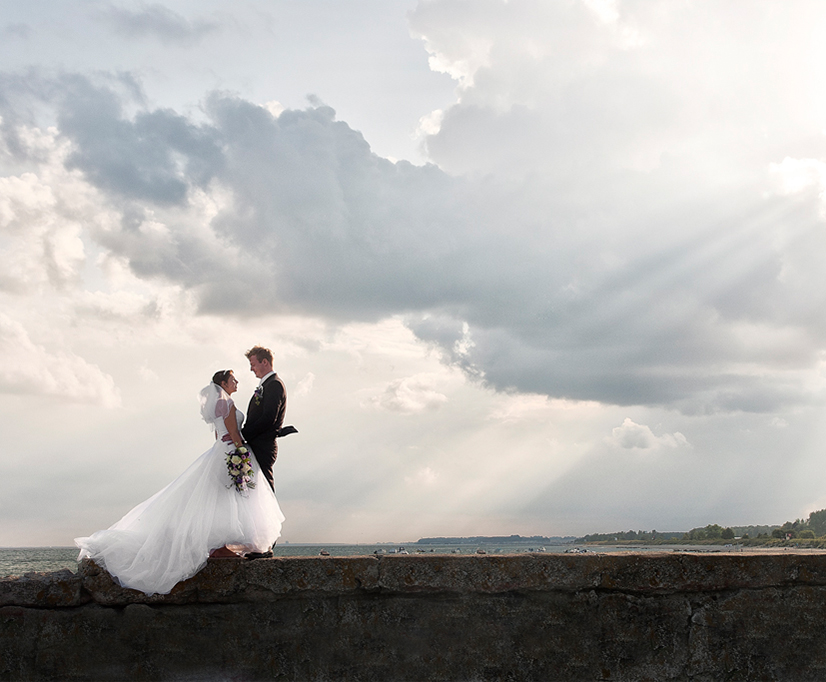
{"points": [[232, 428]]}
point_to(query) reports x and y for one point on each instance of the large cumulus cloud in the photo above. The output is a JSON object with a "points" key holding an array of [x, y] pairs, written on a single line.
{"points": [[617, 211], [646, 134]]}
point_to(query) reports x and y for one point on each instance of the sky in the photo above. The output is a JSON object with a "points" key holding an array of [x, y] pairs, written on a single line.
{"points": [[525, 266]]}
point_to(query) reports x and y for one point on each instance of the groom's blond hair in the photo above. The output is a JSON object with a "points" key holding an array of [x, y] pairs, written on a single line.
{"points": [[260, 354]]}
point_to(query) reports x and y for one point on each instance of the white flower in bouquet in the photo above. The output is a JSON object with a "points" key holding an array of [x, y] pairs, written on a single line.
{"points": [[239, 469]]}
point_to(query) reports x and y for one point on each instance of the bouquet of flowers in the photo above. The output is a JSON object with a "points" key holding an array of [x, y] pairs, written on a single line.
{"points": [[239, 468]]}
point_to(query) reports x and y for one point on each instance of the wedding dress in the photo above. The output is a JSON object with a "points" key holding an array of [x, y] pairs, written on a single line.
{"points": [[168, 537]]}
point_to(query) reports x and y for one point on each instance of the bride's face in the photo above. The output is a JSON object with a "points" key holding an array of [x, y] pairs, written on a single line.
{"points": [[230, 384]]}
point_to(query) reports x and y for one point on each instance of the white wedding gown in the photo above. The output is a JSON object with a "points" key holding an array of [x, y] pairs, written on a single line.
{"points": [[168, 537]]}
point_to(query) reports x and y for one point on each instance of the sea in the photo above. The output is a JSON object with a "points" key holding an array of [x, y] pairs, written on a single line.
{"points": [[18, 561]]}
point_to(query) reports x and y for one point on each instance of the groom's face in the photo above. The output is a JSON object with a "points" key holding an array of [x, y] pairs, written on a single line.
{"points": [[258, 367]]}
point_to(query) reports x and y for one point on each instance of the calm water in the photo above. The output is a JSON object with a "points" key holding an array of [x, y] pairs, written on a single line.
{"points": [[21, 560]]}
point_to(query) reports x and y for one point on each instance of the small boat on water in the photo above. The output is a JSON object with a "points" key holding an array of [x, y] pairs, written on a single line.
{"points": [[324, 552]]}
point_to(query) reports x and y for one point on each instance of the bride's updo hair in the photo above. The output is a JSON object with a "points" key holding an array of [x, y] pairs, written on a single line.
{"points": [[221, 376]]}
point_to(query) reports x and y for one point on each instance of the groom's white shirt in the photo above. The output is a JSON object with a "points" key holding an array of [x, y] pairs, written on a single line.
{"points": [[265, 377]]}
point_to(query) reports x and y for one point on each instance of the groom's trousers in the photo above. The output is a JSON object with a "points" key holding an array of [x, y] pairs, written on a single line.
{"points": [[266, 452]]}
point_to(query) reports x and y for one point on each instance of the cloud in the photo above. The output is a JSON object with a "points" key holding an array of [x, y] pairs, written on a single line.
{"points": [[410, 395], [156, 156], [26, 368], [158, 22], [148, 375], [44, 213], [640, 437], [516, 408], [617, 214], [296, 214], [796, 176], [305, 386], [665, 236], [17, 30], [424, 477], [126, 306]]}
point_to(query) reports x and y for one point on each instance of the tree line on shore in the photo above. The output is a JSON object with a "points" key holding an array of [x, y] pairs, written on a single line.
{"points": [[811, 531]]}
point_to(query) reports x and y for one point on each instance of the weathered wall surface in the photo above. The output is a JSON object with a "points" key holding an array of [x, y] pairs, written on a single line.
{"points": [[424, 617]]}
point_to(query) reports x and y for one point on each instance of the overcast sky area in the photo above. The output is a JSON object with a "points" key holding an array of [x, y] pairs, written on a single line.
{"points": [[525, 266]]}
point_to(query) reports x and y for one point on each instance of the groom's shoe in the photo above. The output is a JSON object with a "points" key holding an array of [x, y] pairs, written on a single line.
{"points": [[259, 555]]}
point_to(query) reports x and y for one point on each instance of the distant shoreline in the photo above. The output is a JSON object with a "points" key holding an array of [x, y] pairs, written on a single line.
{"points": [[498, 539]]}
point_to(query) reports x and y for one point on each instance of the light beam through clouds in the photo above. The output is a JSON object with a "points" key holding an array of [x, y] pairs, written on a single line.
{"points": [[602, 291]]}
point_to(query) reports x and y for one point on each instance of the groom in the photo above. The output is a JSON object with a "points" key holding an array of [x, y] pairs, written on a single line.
{"points": [[265, 415]]}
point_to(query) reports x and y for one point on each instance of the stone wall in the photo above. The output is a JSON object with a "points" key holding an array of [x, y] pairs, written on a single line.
{"points": [[674, 616]]}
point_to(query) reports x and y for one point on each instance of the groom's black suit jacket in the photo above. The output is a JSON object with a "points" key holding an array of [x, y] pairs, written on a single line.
{"points": [[265, 416]]}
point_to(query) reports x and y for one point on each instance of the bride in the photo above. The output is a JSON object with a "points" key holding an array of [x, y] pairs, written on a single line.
{"points": [[202, 513]]}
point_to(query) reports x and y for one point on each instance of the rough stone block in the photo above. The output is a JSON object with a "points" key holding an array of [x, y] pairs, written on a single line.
{"points": [[239, 580], [49, 590]]}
